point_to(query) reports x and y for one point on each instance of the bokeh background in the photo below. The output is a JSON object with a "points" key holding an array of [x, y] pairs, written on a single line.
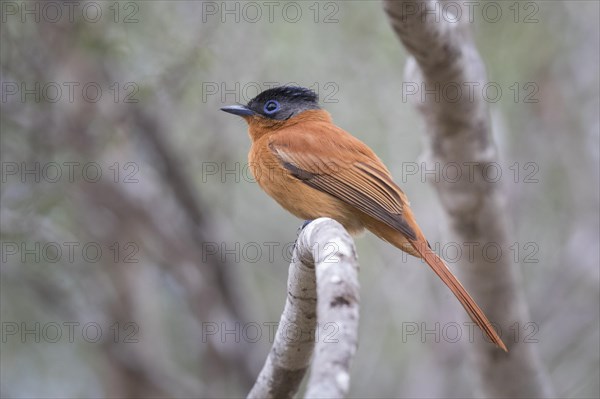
{"points": [[112, 141]]}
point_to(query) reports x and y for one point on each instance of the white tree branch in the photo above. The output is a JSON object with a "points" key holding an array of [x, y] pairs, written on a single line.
{"points": [[322, 294], [459, 132]]}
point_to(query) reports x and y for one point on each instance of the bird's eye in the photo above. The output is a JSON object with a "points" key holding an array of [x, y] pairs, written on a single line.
{"points": [[271, 107]]}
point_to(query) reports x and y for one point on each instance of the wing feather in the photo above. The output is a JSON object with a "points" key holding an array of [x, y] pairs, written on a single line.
{"points": [[364, 184]]}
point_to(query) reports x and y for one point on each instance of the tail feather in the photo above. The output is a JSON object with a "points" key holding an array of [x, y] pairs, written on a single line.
{"points": [[441, 269]]}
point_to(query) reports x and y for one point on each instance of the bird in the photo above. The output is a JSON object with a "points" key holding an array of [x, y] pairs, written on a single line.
{"points": [[314, 169]]}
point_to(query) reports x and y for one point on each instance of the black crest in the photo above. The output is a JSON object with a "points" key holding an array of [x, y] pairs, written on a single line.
{"points": [[284, 102]]}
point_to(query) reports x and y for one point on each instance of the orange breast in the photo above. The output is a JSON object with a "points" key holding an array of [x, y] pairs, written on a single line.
{"points": [[295, 196]]}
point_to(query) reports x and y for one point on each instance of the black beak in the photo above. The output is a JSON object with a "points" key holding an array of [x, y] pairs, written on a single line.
{"points": [[240, 110]]}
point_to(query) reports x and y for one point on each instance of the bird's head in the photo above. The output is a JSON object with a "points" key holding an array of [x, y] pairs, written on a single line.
{"points": [[277, 104]]}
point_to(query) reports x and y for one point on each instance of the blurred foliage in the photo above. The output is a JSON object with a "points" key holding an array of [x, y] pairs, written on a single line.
{"points": [[170, 57]]}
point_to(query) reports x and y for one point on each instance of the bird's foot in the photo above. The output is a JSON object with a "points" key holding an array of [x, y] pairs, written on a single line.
{"points": [[304, 224]]}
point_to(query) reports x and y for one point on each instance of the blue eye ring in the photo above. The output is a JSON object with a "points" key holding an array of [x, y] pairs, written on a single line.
{"points": [[271, 107]]}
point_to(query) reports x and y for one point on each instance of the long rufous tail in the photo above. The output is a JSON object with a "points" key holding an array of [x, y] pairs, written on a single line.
{"points": [[441, 269]]}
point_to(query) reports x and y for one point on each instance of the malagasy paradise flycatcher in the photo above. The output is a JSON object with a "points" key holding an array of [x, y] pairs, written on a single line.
{"points": [[315, 169]]}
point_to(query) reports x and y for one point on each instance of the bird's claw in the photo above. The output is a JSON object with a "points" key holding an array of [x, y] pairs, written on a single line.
{"points": [[304, 224]]}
